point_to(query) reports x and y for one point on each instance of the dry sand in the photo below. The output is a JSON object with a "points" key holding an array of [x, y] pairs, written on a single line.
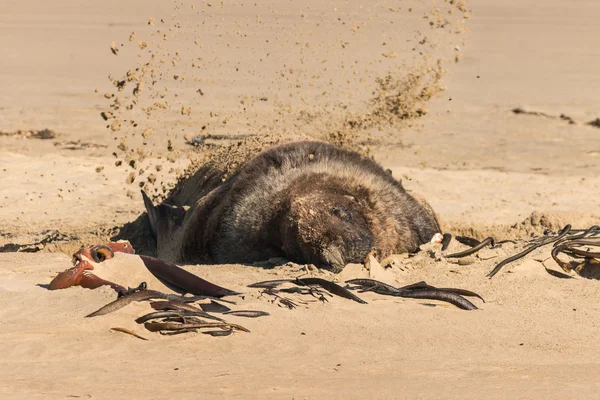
{"points": [[278, 70]]}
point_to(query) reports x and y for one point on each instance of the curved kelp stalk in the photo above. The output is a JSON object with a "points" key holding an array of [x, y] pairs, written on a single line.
{"points": [[80, 274], [172, 276]]}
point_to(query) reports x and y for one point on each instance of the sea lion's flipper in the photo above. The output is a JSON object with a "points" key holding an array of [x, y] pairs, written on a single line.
{"points": [[164, 219], [182, 281], [152, 213]]}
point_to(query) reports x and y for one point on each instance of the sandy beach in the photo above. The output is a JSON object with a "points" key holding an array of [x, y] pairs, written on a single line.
{"points": [[484, 109]]}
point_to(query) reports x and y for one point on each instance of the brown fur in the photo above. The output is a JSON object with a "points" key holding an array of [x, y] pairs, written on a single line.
{"points": [[310, 202]]}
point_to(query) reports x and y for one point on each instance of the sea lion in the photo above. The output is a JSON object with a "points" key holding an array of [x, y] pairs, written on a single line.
{"points": [[310, 202]]}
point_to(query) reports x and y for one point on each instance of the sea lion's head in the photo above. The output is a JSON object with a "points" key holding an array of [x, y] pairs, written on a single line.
{"points": [[326, 228]]}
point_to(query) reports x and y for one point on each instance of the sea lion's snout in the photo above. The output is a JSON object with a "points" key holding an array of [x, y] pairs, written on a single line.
{"points": [[327, 230], [332, 258], [339, 246]]}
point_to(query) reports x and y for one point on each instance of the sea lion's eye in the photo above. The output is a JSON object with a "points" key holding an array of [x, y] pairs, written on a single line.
{"points": [[341, 213]]}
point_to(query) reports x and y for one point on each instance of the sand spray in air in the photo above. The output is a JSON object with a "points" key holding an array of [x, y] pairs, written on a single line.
{"points": [[212, 75]]}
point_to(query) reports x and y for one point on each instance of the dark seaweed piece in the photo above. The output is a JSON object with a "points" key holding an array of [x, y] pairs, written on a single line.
{"points": [[371, 284], [177, 306], [589, 232], [558, 274], [331, 287], [247, 313], [270, 284], [178, 332], [226, 332], [173, 326], [472, 250], [462, 292], [214, 307], [141, 287], [182, 281], [564, 232], [420, 290], [446, 241], [139, 296], [441, 295], [570, 248], [167, 314], [467, 241], [30, 247], [282, 300], [421, 284]]}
